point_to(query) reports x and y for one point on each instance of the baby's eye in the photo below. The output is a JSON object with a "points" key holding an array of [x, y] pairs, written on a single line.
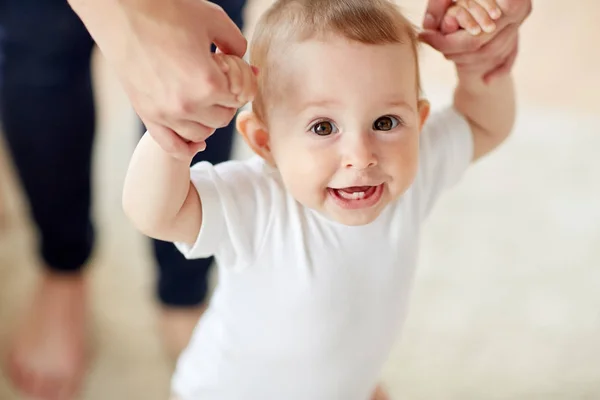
{"points": [[324, 128], [385, 123]]}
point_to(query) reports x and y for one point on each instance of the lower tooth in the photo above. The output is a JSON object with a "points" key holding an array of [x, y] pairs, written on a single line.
{"points": [[351, 196]]}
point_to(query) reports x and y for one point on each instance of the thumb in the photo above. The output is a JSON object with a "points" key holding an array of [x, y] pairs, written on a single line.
{"points": [[227, 36], [436, 9]]}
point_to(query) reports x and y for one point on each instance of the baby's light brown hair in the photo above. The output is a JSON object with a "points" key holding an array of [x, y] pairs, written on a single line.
{"points": [[293, 21]]}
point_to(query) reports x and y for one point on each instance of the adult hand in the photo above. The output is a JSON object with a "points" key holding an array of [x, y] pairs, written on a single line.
{"points": [[494, 52], [161, 53]]}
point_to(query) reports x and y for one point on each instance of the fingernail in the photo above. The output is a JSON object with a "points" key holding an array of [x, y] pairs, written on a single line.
{"points": [[475, 30], [495, 13], [489, 28], [255, 70], [428, 21]]}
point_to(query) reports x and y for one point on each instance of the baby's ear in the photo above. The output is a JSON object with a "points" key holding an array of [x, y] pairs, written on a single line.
{"points": [[255, 134], [424, 108]]}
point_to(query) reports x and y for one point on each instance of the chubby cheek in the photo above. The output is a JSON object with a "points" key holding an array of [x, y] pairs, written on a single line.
{"points": [[305, 171], [402, 163]]}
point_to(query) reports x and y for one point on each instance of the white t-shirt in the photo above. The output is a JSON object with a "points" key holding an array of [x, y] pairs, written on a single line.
{"points": [[306, 308]]}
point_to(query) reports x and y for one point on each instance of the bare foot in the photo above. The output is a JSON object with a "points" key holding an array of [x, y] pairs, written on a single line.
{"points": [[380, 394], [177, 325], [47, 357]]}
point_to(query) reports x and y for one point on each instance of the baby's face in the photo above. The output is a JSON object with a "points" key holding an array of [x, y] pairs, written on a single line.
{"points": [[346, 136]]}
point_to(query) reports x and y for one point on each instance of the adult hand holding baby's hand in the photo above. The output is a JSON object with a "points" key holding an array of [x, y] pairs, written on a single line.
{"points": [[494, 52], [474, 16], [241, 84], [161, 53]]}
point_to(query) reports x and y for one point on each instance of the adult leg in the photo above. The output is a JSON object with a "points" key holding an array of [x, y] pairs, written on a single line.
{"points": [[183, 284], [3, 210], [48, 116]]}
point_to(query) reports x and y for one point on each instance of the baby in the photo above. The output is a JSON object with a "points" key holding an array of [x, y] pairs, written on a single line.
{"points": [[316, 237]]}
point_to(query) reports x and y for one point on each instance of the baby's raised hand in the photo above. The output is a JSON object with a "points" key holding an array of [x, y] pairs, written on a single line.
{"points": [[474, 16], [241, 75]]}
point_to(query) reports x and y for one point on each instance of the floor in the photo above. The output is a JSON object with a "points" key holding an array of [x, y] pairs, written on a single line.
{"points": [[506, 303]]}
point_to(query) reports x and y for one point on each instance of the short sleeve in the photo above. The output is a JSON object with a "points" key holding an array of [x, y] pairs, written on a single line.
{"points": [[446, 151], [237, 201]]}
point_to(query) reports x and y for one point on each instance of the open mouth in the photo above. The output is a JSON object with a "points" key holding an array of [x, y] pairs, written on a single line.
{"points": [[356, 197]]}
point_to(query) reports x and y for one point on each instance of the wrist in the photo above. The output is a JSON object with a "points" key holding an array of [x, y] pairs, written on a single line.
{"points": [[105, 22], [473, 89], [470, 78], [179, 160]]}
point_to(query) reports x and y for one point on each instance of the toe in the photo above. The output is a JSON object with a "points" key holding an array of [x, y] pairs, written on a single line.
{"points": [[380, 394], [14, 371], [56, 388], [35, 386]]}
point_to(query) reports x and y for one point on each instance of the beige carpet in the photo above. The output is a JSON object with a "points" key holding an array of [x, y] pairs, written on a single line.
{"points": [[506, 303]]}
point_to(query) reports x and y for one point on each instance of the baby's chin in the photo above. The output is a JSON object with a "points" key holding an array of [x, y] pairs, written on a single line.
{"points": [[355, 217], [356, 220]]}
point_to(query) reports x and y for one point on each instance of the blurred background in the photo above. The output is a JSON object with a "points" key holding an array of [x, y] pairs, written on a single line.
{"points": [[506, 304]]}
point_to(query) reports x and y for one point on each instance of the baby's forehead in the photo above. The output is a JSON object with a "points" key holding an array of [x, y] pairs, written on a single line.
{"points": [[325, 50], [324, 43], [317, 66]]}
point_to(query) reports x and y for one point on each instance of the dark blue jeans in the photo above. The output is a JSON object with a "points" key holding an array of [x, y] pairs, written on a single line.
{"points": [[48, 116]]}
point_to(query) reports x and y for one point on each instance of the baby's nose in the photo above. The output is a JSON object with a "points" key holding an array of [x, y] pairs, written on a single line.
{"points": [[359, 153]]}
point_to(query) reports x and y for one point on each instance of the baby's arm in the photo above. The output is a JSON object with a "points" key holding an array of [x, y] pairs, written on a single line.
{"points": [[159, 197], [488, 107]]}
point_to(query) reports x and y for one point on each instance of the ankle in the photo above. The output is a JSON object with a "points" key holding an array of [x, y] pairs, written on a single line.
{"points": [[54, 277], [60, 287]]}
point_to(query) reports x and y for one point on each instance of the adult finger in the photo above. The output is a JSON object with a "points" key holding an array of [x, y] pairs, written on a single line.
{"points": [[461, 41], [216, 116], [197, 147], [225, 34], [468, 21], [213, 104], [449, 22], [198, 127], [204, 88], [480, 14], [191, 131], [491, 7], [493, 52], [455, 43], [168, 140], [436, 9]]}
